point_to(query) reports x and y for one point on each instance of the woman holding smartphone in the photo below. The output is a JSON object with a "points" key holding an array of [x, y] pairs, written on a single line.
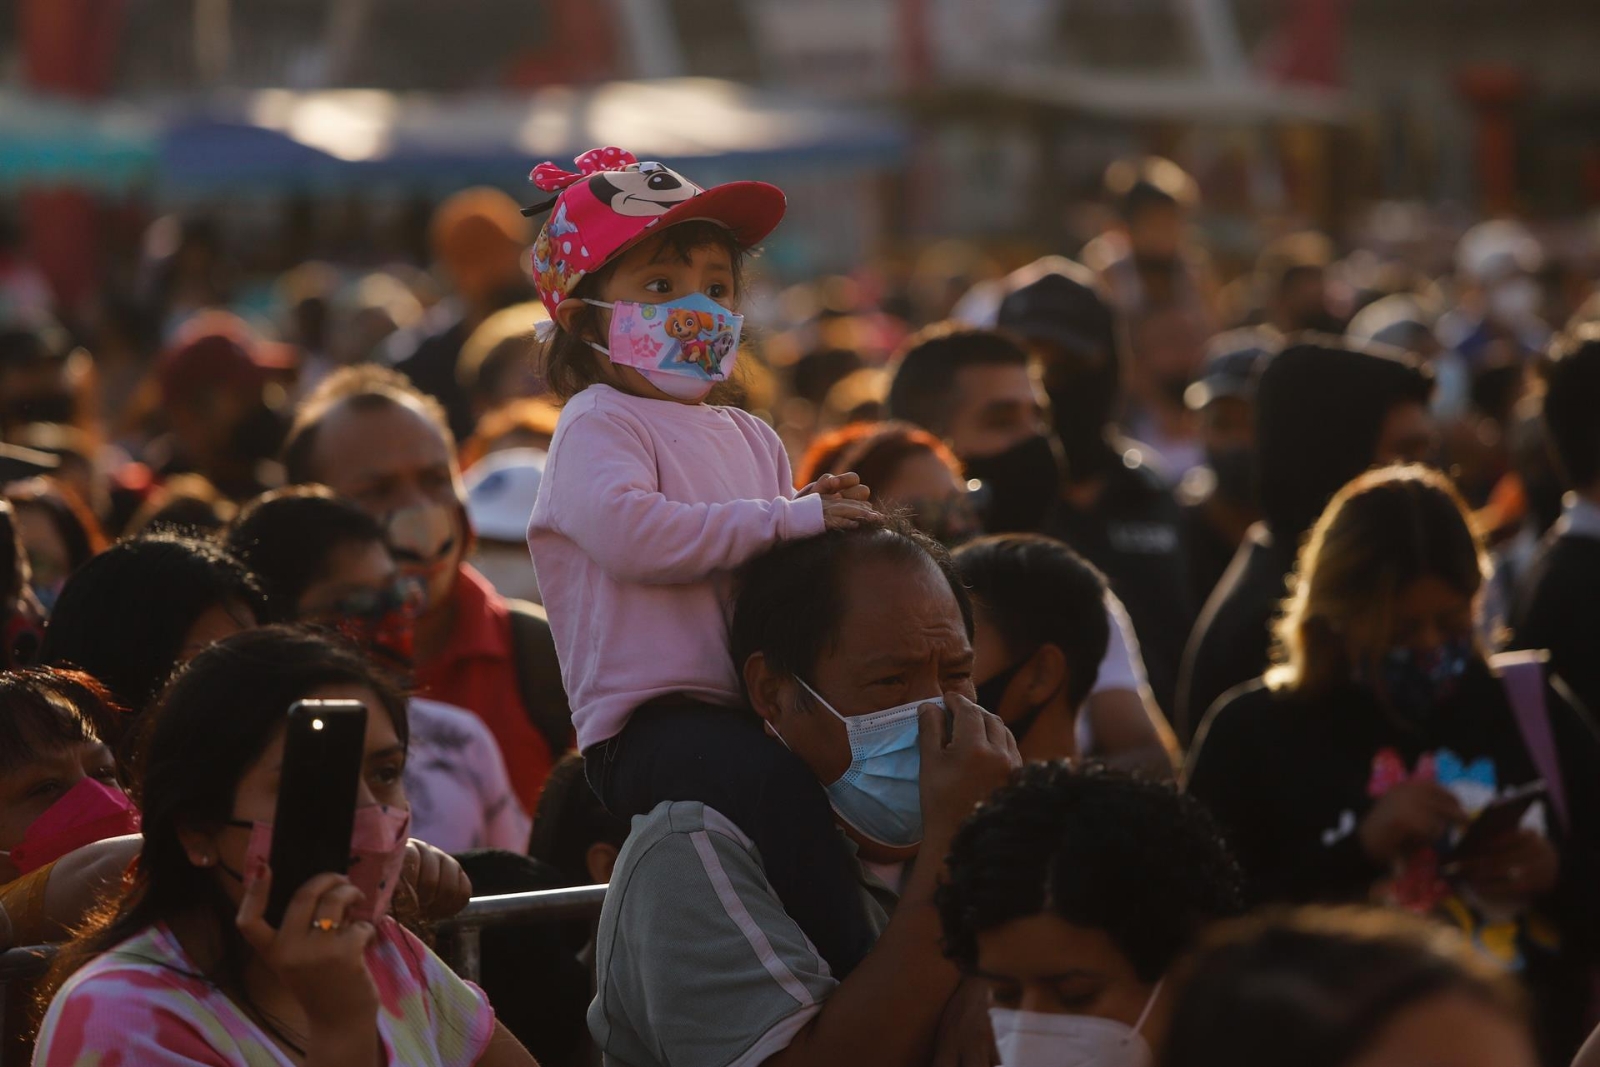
{"points": [[1354, 770], [185, 969]]}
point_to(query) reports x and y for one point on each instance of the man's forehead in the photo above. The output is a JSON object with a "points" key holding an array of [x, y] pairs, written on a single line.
{"points": [[378, 436], [897, 605], [986, 382]]}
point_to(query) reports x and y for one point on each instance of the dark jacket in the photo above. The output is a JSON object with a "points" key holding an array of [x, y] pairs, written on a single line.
{"points": [[1290, 777], [1320, 410], [1232, 638], [1558, 609], [1134, 535]]}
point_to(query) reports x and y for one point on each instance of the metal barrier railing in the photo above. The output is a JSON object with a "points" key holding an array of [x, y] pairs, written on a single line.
{"points": [[459, 937], [460, 940]]}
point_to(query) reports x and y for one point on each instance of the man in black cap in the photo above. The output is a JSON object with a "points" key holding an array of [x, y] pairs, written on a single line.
{"points": [[1218, 500], [1114, 508]]}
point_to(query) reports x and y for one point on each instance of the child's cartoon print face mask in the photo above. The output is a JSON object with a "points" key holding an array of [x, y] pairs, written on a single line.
{"points": [[682, 347]]}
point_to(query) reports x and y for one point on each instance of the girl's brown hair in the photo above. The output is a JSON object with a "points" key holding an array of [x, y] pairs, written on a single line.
{"points": [[567, 362], [1380, 533]]}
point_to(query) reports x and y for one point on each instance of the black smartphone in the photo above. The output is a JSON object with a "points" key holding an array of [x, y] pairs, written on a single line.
{"points": [[1502, 816], [323, 750]]}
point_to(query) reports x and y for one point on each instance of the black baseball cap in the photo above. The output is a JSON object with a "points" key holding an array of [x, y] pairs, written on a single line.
{"points": [[1063, 308], [1230, 366]]}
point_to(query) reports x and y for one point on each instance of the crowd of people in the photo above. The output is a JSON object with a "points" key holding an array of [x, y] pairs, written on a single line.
{"points": [[1105, 662]]}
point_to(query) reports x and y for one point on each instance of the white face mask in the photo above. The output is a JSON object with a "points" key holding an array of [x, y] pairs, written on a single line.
{"points": [[1040, 1039]]}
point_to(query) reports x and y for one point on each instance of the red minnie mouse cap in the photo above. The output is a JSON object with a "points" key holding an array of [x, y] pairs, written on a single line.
{"points": [[614, 201]]}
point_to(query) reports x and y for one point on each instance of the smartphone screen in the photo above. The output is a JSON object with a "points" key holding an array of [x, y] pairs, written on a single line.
{"points": [[1502, 816], [323, 751]]}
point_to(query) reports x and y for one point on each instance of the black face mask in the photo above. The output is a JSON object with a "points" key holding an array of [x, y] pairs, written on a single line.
{"points": [[1081, 401], [993, 692], [1235, 471], [1021, 484]]}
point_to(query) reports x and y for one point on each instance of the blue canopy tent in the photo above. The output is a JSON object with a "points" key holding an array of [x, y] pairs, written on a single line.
{"points": [[348, 140], [51, 142]]}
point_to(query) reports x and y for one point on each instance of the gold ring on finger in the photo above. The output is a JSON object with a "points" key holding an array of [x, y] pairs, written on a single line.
{"points": [[327, 926]]}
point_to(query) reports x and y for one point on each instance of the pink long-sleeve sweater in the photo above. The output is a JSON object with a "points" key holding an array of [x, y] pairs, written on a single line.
{"points": [[645, 509]]}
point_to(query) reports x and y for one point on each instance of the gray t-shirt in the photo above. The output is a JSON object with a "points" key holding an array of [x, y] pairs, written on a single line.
{"points": [[698, 964]]}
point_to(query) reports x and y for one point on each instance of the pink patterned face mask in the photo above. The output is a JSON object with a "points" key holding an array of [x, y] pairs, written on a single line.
{"points": [[682, 347], [88, 812], [377, 854]]}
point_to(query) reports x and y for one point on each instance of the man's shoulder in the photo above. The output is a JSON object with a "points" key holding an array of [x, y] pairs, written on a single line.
{"points": [[671, 853], [1566, 569], [698, 962], [679, 822], [1570, 557]]}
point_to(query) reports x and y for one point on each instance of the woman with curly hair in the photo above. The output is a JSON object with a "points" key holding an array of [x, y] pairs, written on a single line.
{"points": [[1073, 893]]}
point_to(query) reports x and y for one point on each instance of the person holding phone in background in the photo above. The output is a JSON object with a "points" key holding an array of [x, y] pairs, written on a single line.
{"points": [[186, 970], [1356, 768]]}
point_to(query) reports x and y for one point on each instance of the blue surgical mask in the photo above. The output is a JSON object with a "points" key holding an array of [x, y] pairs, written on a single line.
{"points": [[880, 795]]}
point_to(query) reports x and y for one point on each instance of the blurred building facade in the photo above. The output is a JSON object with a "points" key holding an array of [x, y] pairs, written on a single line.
{"points": [[1295, 108], [1423, 76]]}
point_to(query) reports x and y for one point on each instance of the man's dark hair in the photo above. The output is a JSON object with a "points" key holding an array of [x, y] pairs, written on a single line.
{"points": [[571, 820], [791, 598], [123, 616], [365, 387], [819, 370], [285, 537], [1136, 860], [1037, 591], [1136, 185], [1572, 404], [923, 391]]}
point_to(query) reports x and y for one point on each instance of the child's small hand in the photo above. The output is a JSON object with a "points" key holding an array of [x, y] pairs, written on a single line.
{"points": [[846, 485], [841, 514]]}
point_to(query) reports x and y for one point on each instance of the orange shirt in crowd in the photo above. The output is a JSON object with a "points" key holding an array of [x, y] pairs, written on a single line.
{"points": [[477, 671]]}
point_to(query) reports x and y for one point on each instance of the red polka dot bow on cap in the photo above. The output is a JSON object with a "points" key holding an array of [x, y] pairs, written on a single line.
{"points": [[552, 179]]}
